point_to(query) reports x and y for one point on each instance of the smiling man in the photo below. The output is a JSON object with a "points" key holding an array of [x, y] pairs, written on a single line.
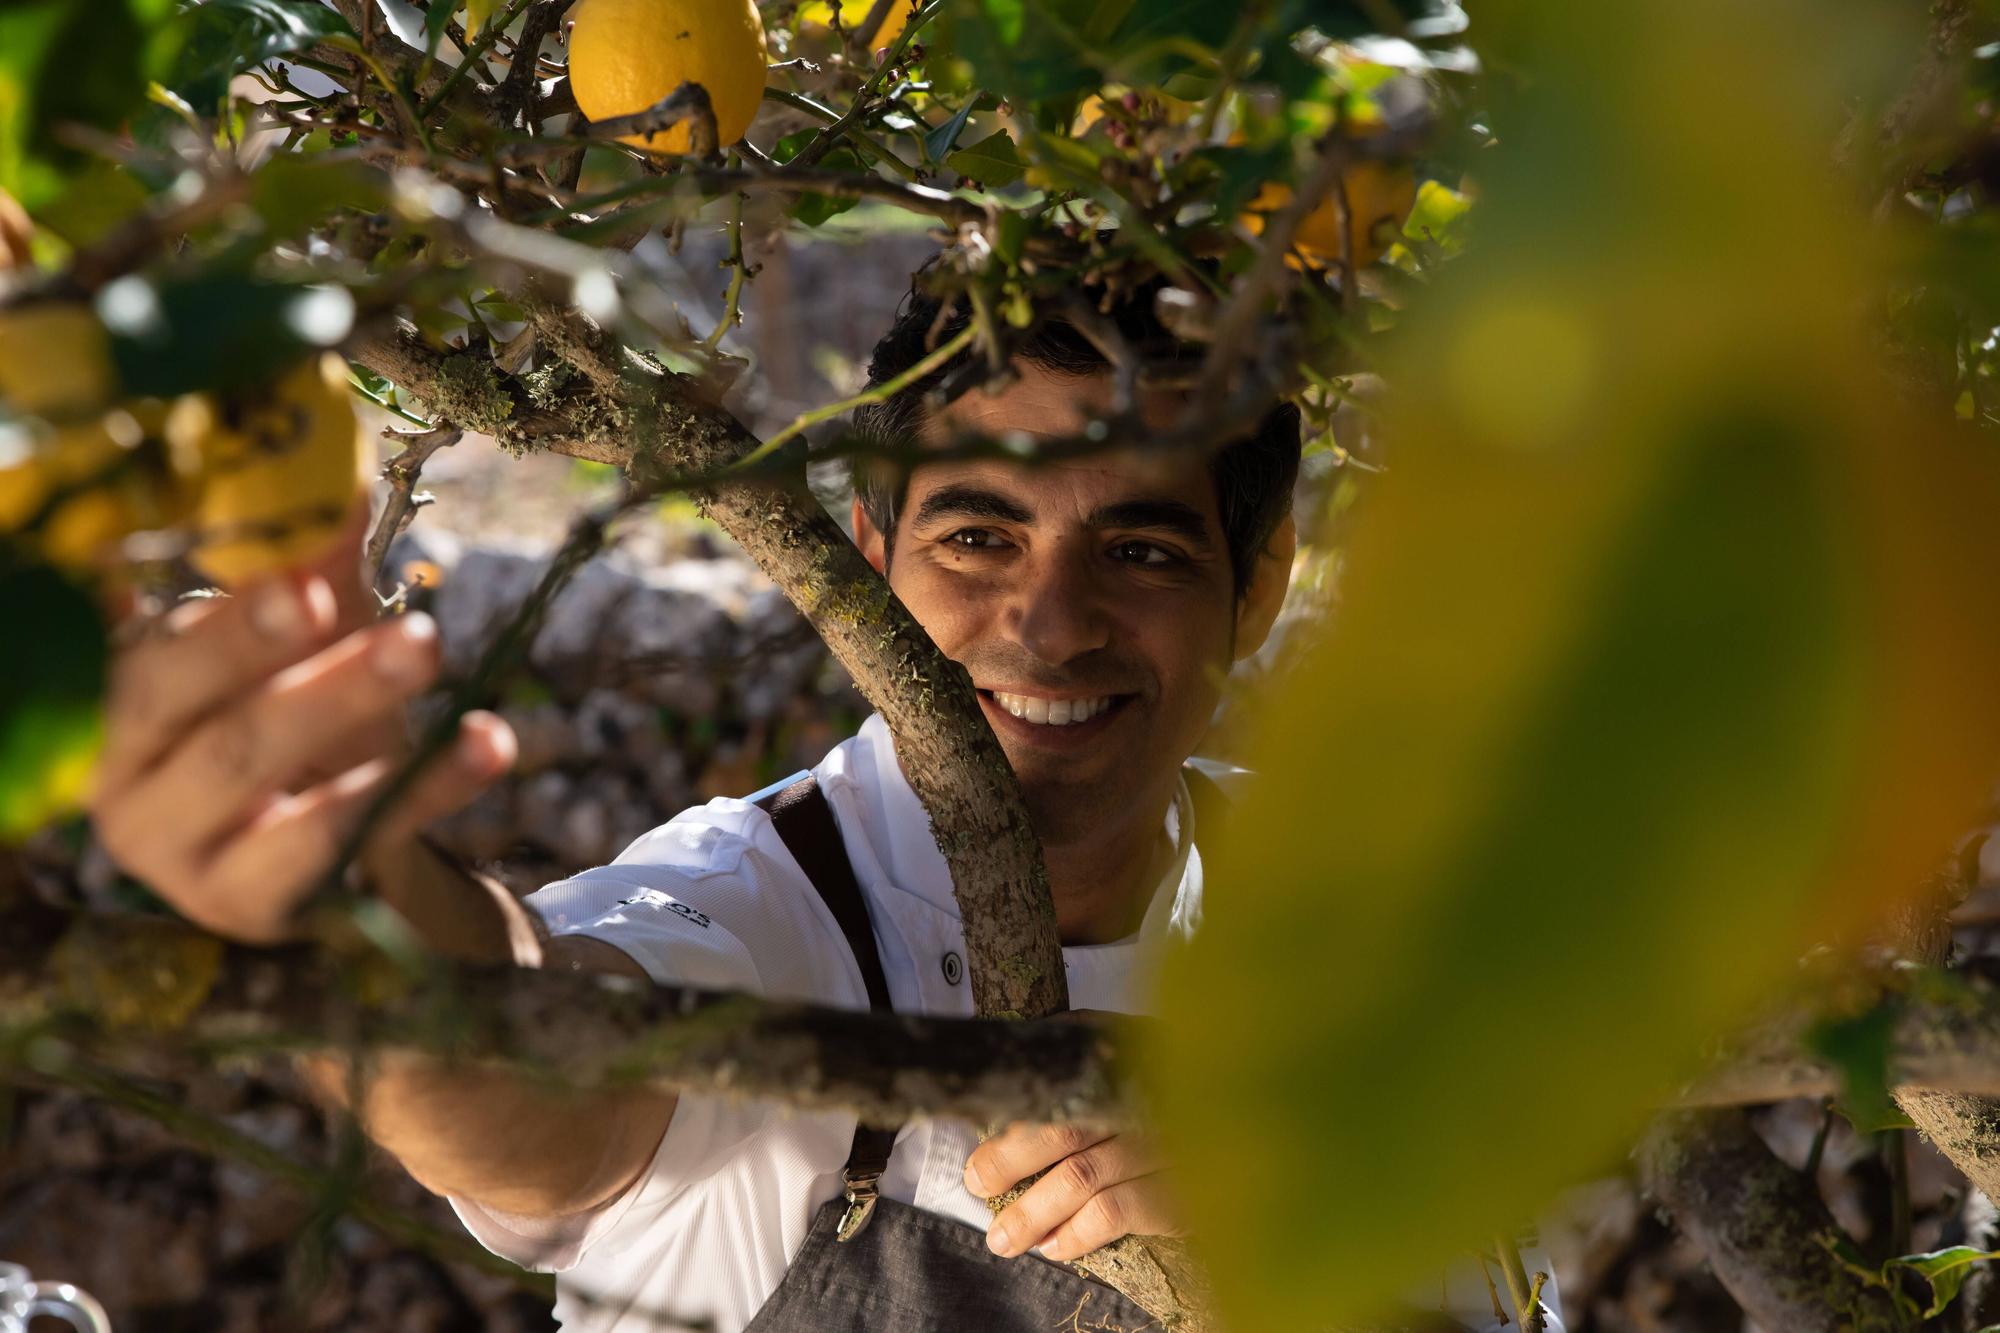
{"points": [[1098, 604]]}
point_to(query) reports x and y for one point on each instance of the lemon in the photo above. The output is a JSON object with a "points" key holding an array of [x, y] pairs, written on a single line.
{"points": [[55, 359], [898, 18], [626, 55], [1379, 197], [121, 484], [279, 469]]}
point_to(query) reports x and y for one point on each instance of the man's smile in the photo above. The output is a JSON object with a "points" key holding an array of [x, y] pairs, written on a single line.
{"points": [[1051, 721]]}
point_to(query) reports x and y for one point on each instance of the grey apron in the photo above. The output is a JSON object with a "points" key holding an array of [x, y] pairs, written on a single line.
{"points": [[873, 1265]]}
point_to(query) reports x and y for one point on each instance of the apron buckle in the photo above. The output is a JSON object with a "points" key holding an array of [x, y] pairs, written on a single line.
{"points": [[861, 1196]]}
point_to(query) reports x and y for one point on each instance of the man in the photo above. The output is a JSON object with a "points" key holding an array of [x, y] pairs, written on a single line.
{"points": [[1097, 604]]}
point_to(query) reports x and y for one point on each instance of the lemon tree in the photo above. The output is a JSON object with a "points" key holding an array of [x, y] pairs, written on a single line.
{"points": [[1659, 657]]}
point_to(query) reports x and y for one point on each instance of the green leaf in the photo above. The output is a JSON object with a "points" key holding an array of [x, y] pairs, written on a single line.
{"points": [[51, 697], [1859, 1047], [1438, 216], [436, 19], [994, 161], [1946, 1270], [938, 142], [230, 36]]}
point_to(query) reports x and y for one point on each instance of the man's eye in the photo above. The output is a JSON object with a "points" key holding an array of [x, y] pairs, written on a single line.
{"points": [[977, 539], [1142, 553]]}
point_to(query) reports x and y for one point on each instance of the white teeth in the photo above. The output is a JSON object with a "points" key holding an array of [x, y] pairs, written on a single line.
{"points": [[1051, 712]]}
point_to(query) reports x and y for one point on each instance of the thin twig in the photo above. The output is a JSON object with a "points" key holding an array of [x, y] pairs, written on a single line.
{"points": [[216, 1136], [494, 27], [874, 394], [739, 273], [822, 143], [689, 102], [401, 473], [518, 86]]}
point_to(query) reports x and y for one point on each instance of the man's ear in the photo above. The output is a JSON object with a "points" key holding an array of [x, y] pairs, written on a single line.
{"points": [[1269, 580], [874, 547]]}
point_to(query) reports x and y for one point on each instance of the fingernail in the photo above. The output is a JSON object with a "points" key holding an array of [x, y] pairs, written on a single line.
{"points": [[973, 1183], [277, 613], [1000, 1238], [403, 655]]}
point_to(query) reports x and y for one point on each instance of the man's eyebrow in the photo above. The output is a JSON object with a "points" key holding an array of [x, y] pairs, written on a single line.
{"points": [[1164, 515], [962, 500]]}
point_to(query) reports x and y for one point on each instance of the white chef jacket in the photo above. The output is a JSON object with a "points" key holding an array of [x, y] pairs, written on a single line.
{"points": [[713, 899]]}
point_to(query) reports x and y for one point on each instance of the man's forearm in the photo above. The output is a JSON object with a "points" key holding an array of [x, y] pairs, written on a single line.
{"points": [[500, 1139]]}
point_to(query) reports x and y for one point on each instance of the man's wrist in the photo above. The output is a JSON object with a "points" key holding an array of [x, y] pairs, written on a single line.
{"points": [[454, 908]]}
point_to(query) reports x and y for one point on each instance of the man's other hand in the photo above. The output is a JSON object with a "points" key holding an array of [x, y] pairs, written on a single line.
{"points": [[245, 735], [1099, 1186]]}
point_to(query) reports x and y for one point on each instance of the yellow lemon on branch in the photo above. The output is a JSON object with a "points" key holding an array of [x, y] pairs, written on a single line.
{"points": [[628, 55], [1379, 197]]}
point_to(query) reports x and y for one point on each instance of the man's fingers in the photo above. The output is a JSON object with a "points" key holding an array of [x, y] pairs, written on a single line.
{"points": [[1134, 1208], [271, 741], [1070, 1188], [258, 874], [206, 654], [1022, 1149], [485, 749]]}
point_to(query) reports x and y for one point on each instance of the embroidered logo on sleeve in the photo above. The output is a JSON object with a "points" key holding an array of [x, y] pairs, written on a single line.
{"points": [[654, 898]]}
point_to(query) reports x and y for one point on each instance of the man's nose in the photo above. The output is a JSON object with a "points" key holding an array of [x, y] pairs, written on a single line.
{"points": [[1057, 612]]}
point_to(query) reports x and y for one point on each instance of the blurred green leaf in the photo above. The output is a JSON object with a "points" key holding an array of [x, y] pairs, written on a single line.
{"points": [[477, 14], [437, 17], [994, 161], [93, 201], [1859, 1047], [295, 191], [1651, 670], [51, 696], [217, 331], [72, 62]]}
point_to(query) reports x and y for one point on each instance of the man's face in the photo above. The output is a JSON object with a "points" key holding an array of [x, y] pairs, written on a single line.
{"points": [[1092, 601]]}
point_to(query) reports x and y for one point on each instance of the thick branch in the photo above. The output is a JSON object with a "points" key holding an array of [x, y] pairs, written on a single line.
{"points": [[166, 991], [1761, 1226]]}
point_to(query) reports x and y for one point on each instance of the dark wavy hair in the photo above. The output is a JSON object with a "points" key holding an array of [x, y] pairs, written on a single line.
{"points": [[1253, 476]]}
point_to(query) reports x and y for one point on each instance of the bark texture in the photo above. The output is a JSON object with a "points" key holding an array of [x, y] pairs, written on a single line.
{"points": [[1761, 1225]]}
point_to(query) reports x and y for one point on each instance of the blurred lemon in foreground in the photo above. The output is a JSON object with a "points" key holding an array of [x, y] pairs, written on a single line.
{"points": [[626, 55], [55, 359], [74, 495], [1379, 197], [280, 469]]}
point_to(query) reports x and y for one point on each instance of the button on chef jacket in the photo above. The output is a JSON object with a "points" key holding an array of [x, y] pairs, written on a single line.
{"points": [[712, 899]]}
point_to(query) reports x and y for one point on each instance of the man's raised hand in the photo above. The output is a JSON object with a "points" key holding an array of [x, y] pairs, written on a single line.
{"points": [[246, 735]]}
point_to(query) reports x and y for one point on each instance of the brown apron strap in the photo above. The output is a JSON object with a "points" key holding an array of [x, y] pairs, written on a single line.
{"points": [[804, 821]]}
